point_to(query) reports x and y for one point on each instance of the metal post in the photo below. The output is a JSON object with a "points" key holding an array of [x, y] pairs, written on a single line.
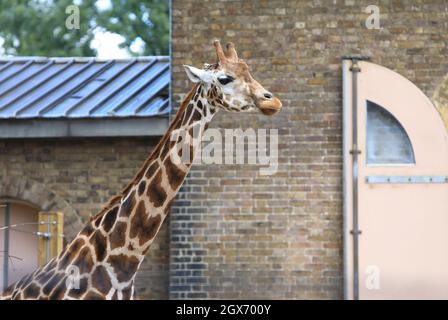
{"points": [[355, 152], [6, 246], [47, 249], [350, 168]]}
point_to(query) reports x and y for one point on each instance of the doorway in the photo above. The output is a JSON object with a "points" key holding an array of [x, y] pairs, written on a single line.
{"points": [[395, 187], [18, 240]]}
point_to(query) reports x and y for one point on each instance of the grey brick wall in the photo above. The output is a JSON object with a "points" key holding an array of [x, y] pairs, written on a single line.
{"points": [[235, 234], [85, 173]]}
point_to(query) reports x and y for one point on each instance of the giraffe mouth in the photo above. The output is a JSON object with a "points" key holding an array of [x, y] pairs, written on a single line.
{"points": [[247, 108], [270, 107]]}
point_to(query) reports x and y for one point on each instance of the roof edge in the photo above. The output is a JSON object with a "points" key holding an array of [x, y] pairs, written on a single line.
{"points": [[88, 128], [82, 59]]}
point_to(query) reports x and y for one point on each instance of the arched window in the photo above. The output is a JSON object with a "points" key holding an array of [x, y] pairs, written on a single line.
{"points": [[387, 141]]}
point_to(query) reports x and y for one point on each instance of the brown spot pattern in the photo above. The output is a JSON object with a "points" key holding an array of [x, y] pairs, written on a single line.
{"points": [[88, 229], [52, 264], [59, 291], [84, 261], [101, 280], [109, 219], [118, 236], [97, 220], [151, 170], [70, 254], [156, 194], [142, 226], [92, 295], [44, 277], [52, 283], [175, 175], [31, 291], [124, 267], [128, 205], [99, 242], [141, 187]]}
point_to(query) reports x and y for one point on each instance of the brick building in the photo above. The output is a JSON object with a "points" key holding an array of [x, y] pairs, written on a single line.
{"points": [[233, 233], [73, 133]]}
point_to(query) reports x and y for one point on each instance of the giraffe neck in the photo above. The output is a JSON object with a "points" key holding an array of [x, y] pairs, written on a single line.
{"points": [[103, 259], [110, 249]]}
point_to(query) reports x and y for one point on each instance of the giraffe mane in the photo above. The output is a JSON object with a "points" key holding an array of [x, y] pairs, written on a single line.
{"points": [[116, 199]]}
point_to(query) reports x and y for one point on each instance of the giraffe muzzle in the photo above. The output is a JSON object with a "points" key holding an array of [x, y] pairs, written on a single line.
{"points": [[270, 106]]}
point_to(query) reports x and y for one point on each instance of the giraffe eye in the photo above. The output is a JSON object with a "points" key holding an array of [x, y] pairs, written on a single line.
{"points": [[225, 79]]}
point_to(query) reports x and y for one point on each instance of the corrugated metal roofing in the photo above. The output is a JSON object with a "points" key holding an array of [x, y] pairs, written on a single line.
{"points": [[83, 87]]}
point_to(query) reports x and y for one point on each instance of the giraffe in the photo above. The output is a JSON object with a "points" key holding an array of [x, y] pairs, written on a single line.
{"points": [[107, 252]]}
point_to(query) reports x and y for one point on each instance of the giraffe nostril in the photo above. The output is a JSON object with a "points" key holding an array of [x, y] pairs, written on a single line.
{"points": [[268, 95]]}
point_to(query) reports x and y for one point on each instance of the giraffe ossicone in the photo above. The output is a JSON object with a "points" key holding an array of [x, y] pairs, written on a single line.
{"points": [[107, 253]]}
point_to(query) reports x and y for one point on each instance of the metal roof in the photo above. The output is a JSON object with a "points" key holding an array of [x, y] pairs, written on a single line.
{"points": [[83, 88], [83, 97]]}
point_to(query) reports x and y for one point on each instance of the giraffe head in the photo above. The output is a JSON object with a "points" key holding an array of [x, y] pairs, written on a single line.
{"points": [[230, 86]]}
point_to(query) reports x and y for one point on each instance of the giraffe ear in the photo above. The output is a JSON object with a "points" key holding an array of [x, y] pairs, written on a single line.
{"points": [[197, 75]]}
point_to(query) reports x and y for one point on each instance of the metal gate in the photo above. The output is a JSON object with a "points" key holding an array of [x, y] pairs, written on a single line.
{"points": [[395, 187]]}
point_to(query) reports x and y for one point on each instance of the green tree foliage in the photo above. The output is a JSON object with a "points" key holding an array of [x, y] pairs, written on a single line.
{"points": [[38, 27], [148, 20]]}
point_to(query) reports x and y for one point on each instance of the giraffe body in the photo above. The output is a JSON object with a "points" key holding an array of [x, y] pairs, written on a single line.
{"points": [[103, 259]]}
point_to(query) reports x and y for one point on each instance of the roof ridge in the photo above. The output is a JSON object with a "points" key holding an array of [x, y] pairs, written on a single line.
{"points": [[40, 87], [38, 59]]}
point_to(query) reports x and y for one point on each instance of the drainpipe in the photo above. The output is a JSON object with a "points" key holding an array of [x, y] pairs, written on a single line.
{"points": [[352, 146], [7, 222]]}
